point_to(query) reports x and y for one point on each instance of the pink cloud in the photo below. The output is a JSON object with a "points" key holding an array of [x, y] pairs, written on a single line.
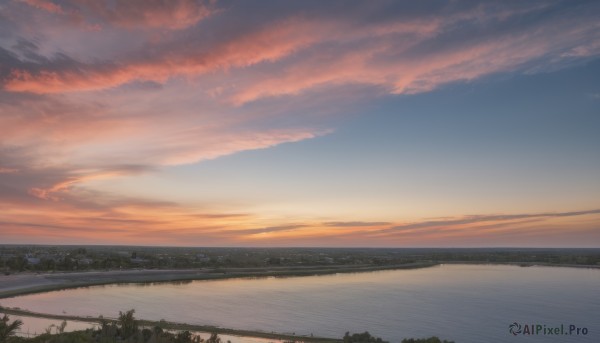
{"points": [[4, 170], [171, 152], [268, 44], [173, 15], [410, 74], [291, 55], [46, 5]]}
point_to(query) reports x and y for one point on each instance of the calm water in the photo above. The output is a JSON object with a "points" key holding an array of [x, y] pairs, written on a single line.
{"points": [[466, 303]]}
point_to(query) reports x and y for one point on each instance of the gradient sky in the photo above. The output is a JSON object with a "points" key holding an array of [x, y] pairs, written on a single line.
{"points": [[306, 123]]}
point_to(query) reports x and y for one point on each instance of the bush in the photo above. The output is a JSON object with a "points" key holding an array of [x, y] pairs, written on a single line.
{"points": [[364, 337], [425, 340]]}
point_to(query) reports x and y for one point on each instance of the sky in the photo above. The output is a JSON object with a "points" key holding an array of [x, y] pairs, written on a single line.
{"points": [[305, 123]]}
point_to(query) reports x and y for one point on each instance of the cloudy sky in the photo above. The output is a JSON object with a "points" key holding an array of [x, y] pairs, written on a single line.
{"points": [[306, 123]]}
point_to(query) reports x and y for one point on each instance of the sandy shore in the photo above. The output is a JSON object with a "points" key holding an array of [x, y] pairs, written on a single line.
{"points": [[26, 283]]}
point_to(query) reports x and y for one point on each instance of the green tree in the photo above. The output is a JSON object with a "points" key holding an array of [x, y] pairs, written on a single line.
{"points": [[146, 334], [128, 324], [183, 337], [158, 330], [214, 338], [8, 329], [364, 337]]}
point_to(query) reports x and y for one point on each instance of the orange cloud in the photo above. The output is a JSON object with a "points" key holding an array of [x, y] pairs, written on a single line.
{"points": [[81, 216]]}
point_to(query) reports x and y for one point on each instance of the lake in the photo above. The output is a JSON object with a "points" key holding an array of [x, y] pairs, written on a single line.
{"points": [[465, 303]]}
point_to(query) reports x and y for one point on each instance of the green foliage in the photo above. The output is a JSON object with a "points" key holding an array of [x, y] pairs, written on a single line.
{"points": [[183, 337], [214, 338], [126, 330], [128, 324], [13, 258], [364, 337], [146, 334], [7, 329], [425, 340]]}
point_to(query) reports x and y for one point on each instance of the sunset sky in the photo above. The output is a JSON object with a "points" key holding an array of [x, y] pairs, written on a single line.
{"points": [[300, 123]]}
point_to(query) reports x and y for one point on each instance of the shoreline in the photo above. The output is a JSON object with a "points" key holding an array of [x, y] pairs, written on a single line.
{"points": [[524, 264], [175, 326], [30, 283], [21, 284]]}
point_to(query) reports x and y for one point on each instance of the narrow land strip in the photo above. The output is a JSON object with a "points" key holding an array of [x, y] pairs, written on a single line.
{"points": [[176, 326], [20, 284]]}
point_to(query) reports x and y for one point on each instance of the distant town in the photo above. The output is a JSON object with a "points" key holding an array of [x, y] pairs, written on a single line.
{"points": [[39, 258]]}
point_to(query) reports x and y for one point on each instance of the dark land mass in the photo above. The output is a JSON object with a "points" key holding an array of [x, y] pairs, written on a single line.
{"points": [[39, 258]]}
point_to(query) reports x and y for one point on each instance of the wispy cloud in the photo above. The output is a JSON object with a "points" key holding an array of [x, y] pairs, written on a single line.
{"points": [[258, 231], [177, 14], [355, 224], [8, 170], [476, 219], [93, 90], [402, 54]]}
